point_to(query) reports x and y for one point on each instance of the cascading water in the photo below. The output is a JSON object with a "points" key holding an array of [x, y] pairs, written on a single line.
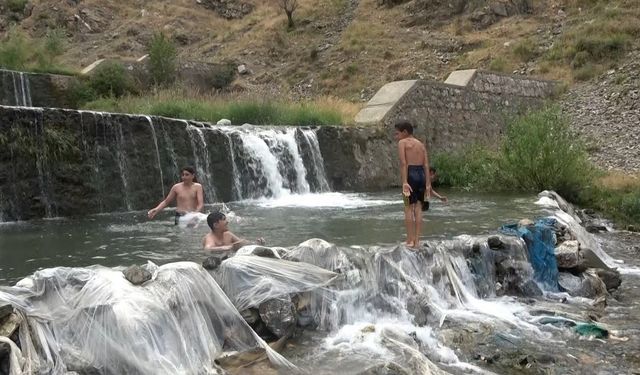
{"points": [[42, 167], [122, 159], [201, 157], [155, 143], [21, 89], [268, 162], [318, 163]]}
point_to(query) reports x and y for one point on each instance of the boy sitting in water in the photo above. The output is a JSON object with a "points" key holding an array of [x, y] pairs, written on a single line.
{"points": [[433, 176], [220, 238]]}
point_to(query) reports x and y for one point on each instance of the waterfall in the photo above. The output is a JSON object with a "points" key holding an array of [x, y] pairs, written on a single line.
{"points": [[155, 143], [237, 188], [41, 165], [21, 89], [268, 162], [170, 150], [318, 163], [201, 157], [122, 161]]}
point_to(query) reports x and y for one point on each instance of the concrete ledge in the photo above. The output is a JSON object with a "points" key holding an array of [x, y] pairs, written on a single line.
{"points": [[383, 101], [461, 77]]}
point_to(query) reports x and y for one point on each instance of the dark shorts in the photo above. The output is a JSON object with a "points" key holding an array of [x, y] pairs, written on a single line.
{"points": [[177, 217], [417, 180]]}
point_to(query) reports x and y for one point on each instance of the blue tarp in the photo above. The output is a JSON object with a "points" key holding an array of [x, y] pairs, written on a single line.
{"points": [[540, 239]]}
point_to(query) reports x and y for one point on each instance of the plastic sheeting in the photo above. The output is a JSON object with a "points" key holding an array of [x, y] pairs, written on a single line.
{"points": [[251, 280], [540, 239], [94, 320]]}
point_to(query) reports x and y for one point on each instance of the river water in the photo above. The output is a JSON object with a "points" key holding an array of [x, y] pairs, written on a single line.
{"points": [[342, 218], [370, 328]]}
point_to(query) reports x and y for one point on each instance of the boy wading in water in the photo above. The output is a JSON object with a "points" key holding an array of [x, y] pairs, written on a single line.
{"points": [[416, 182], [188, 195]]}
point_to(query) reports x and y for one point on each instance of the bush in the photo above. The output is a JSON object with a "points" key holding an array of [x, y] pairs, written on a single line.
{"points": [[110, 79], [80, 93], [541, 152], [525, 50], [221, 76], [474, 168], [162, 60], [14, 50], [16, 5]]}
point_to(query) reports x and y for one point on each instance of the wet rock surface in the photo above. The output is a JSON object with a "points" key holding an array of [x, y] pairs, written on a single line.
{"points": [[137, 275]]}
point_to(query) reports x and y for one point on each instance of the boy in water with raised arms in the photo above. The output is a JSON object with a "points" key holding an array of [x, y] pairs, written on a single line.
{"points": [[416, 182], [188, 195]]}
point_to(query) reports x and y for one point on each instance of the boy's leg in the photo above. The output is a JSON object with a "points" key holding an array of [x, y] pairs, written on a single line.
{"points": [[418, 223], [409, 223]]}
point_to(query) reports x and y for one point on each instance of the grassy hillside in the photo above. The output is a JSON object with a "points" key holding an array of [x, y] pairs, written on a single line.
{"points": [[345, 48]]}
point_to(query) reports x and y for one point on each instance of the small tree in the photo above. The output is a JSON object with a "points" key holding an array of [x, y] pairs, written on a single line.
{"points": [[289, 6], [162, 59]]}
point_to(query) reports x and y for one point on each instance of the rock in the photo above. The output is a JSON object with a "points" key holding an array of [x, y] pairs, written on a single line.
{"points": [[568, 255], [525, 223], [570, 283], [499, 9], [137, 275], [279, 315], [242, 69], [418, 306], [610, 278], [250, 315], [529, 288], [495, 243], [5, 310], [213, 261], [224, 122], [10, 325], [595, 228]]}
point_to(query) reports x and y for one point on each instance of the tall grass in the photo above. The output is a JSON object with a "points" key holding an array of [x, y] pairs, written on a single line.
{"points": [[240, 110]]}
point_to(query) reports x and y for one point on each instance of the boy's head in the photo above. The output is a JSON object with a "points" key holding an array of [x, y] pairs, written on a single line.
{"points": [[403, 129], [432, 173], [188, 174], [217, 220]]}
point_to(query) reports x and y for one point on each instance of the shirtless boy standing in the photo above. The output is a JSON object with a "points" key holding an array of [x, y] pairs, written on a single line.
{"points": [[416, 184], [188, 195]]}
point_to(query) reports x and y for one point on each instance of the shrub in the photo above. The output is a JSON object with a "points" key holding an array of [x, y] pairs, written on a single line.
{"points": [[221, 76], [541, 152], [14, 50], [474, 168], [525, 50], [80, 93], [110, 79], [162, 60], [16, 5]]}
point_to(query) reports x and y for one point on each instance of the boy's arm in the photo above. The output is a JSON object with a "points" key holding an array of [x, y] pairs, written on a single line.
{"points": [[237, 242], [441, 197], [403, 165], [199, 198], [426, 172], [170, 197]]}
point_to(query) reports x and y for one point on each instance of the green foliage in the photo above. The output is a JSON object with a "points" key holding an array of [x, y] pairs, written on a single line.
{"points": [[162, 59], [239, 112], [16, 5], [622, 205], [475, 168], [498, 65], [541, 152], [14, 50], [18, 52], [586, 72], [111, 79], [80, 93], [221, 76], [52, 144], [525, 50], [538, 152]]}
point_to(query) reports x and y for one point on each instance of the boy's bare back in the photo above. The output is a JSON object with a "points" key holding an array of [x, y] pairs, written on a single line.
{"points": [[414, 151]]}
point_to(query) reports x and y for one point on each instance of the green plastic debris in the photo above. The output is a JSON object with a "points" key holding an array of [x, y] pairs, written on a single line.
{"points": [[591, 329]]}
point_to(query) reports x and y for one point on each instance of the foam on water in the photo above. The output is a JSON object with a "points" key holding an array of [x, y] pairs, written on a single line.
{"points": [[324, 200]]}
